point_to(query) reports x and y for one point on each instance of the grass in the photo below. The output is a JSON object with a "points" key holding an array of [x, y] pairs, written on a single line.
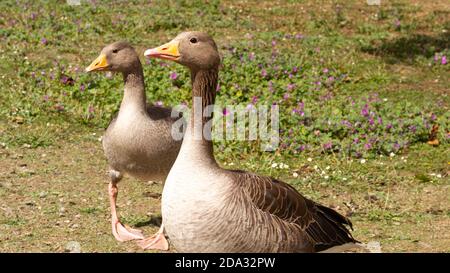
{"points": [[53, 172]]}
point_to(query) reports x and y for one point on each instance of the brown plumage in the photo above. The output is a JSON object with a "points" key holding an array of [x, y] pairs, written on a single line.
{"points": [[210, 209], [322, 226], [138, 140]]}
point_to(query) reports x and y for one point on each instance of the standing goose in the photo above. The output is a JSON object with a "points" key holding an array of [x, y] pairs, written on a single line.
{"points": [[138, 141], [206, 208]]}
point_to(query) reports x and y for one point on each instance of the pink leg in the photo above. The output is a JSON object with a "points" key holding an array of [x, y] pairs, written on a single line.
{"points": [[119, 231], [157, 241]]}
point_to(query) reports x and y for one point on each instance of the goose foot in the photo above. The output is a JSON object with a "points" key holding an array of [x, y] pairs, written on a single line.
{"points": [[120, 232], [157, 241], [125, 233]]}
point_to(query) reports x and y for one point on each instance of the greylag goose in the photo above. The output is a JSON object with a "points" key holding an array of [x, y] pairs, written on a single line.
{"points": [[138, 141], [206, 208]]}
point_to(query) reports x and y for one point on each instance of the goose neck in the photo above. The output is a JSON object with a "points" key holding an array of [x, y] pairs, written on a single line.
{"points": [[198, 133], [134, 93]]}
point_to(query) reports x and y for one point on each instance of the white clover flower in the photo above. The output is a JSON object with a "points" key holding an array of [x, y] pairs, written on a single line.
{"points": [[295, 174], [309, 159], [363, 161], [326, 177], [438, 175], [327, 168], [344, 179], [274, 165], [391, 154]]}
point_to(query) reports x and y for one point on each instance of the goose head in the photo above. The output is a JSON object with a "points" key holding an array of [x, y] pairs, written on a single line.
{"points": [[194, 49], [116, 57]]}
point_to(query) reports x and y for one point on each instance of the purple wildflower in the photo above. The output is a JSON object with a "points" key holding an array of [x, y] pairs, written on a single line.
{"points": [[367, 146], [433, 117], [389, 126], [327, 146], [251, 56], [173, 76], [91, 109], [271, 89], [290, 87], [325, 70], [412, 128], [44, 41], [444, 60], [225, 111], [64, 79], [298, 36], [365, 111], [294, 69], [346, 123], [263, 73], [254, 99], [274, 43], [82, 88], [286, 96], [356, 140], [380, 120], [299, 109], [159, 103], [397, 23], [218, 87], [45, 98]]}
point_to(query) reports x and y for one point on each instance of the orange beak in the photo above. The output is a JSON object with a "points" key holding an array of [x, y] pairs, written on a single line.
{"points": [[98, 64], [167, 51]]}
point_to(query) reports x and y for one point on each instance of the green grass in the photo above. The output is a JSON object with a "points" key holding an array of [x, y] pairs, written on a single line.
{"points": [[388, 58]]}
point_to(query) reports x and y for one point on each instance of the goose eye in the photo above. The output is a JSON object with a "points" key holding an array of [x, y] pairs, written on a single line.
{"points": [[193, 40], [115, 50]]}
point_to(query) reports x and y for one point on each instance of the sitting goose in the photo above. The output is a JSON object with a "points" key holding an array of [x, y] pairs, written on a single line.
{"points": [[138, 141], [206, 208]]}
